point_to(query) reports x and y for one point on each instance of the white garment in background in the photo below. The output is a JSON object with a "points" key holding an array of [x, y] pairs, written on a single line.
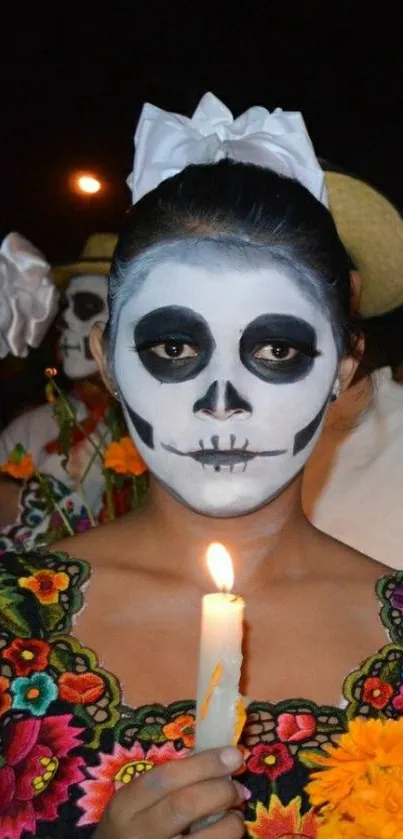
{"points": [[353, 483], [36, 428]]}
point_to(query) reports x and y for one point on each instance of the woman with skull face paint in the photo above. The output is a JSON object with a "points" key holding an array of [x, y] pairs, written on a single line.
{"points": [[230, 333]]}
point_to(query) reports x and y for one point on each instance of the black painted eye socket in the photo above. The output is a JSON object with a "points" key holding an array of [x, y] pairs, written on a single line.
{"points": [[278, 348], [174, 343], [87, 305]]}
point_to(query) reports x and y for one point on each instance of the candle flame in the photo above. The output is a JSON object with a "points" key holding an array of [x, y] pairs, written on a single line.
{"points": [[220, 566]]}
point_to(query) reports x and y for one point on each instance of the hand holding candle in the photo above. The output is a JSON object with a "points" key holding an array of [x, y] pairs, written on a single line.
{"points": [[220, 708]]}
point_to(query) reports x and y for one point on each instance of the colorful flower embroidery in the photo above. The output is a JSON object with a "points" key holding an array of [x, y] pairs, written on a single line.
{"points": [[397, 702], [5, 698], [377, 692], [46, 585], [37, 773], [80, 688], [293, 728], [34, 694], [116, 769], [272, 761], [182, 728], [27, 655], [280, 821]]}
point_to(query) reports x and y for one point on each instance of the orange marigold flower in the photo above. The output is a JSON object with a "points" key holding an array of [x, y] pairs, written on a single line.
{"points": [[5, 698], [182, 728], [80, 688], [50, 372], [279, 820], [19, 464], [367, 745], [124, 458], [46, 585]]}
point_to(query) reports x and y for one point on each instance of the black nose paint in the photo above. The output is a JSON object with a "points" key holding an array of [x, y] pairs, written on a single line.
{"points": [[232, 400]]}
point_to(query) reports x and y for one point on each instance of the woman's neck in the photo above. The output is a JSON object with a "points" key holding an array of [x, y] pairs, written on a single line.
{"points": [[268, 543]]}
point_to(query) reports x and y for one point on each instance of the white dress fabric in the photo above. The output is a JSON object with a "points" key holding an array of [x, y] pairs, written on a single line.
{"points": [[353, 483]]}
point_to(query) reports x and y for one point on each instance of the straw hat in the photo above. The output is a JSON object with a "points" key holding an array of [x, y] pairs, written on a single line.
{"points": [[371, 230], [96, 258]]}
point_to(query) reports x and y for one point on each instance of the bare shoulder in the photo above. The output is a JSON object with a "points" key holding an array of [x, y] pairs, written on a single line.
{"points": [[347, 563], [109, 544]]}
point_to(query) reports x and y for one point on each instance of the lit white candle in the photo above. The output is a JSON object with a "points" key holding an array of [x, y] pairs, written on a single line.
{"points": [[220, 708]]}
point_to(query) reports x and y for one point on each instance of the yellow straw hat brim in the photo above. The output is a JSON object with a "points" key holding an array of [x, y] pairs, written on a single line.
{"points": [[371, 230]]}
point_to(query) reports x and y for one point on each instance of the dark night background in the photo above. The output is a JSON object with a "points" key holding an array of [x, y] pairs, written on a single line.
{"points": [[74, 79]]}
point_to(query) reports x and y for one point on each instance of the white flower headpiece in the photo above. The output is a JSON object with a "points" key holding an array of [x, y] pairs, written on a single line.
{"points": [[166, 143], [28, 297]]}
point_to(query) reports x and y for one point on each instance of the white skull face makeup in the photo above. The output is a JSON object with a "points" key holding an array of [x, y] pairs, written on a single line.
{"points": [[86, 299], [225, 376]]}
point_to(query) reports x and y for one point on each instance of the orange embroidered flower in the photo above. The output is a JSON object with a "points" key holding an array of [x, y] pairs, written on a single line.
{"points": [[80, 688], [182, 728], [279, 821], [19, 464], [377, 692], [5, 698], [46, 585], [124, 458], [27, 655]]}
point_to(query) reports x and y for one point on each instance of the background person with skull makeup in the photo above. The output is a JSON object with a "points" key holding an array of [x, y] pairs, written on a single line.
{"points": [[84, 286], [230, 331]]}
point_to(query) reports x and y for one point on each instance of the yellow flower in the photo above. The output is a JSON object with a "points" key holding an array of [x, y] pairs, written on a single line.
{"points": [[124, 458], [46, 585], [19, 464], [366, 744], [359, 790]]}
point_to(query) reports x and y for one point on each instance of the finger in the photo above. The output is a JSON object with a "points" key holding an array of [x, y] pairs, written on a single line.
{"points": [[176, 812], [230, 826], [162, 780]]}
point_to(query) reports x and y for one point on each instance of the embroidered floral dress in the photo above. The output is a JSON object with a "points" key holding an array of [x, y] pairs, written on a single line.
{"points": [[67, 742]]}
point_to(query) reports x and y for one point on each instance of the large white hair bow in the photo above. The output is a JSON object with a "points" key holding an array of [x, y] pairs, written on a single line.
{"points": [[28, 298], [166, 143]]}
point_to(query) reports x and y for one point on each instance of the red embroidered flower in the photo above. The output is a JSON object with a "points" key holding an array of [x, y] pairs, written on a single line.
{"points": [[397, 702], [5, 698], [273, 760], [292, 728], [116, 769], [376, 692], [27, 655], [80, 688], [37, 773], [182, 728]]}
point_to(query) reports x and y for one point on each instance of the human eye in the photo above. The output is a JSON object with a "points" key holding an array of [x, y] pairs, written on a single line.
{"points": [[174, 350], [276, 352]]}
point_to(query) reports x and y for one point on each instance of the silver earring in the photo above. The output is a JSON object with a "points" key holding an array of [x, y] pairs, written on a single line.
{"points": [[336, 391], [116, 394]]}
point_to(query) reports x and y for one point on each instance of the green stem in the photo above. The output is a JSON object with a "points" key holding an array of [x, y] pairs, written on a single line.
{"points": [[73, 416], [48, 492], [109, 496], [92, 458], [86, 505]]}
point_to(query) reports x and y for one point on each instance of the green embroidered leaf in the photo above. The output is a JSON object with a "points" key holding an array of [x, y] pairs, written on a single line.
{"points": [[10, 616], [153, 733], [60, 659], [145, 711], [52, 614], [308, 758]]}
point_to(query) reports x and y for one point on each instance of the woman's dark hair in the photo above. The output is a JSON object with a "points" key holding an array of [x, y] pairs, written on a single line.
{"points": [[246, 206]]}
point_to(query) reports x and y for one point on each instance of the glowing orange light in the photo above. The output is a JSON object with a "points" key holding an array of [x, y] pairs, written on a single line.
{"points": [[220, 566], [87, 184]]}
